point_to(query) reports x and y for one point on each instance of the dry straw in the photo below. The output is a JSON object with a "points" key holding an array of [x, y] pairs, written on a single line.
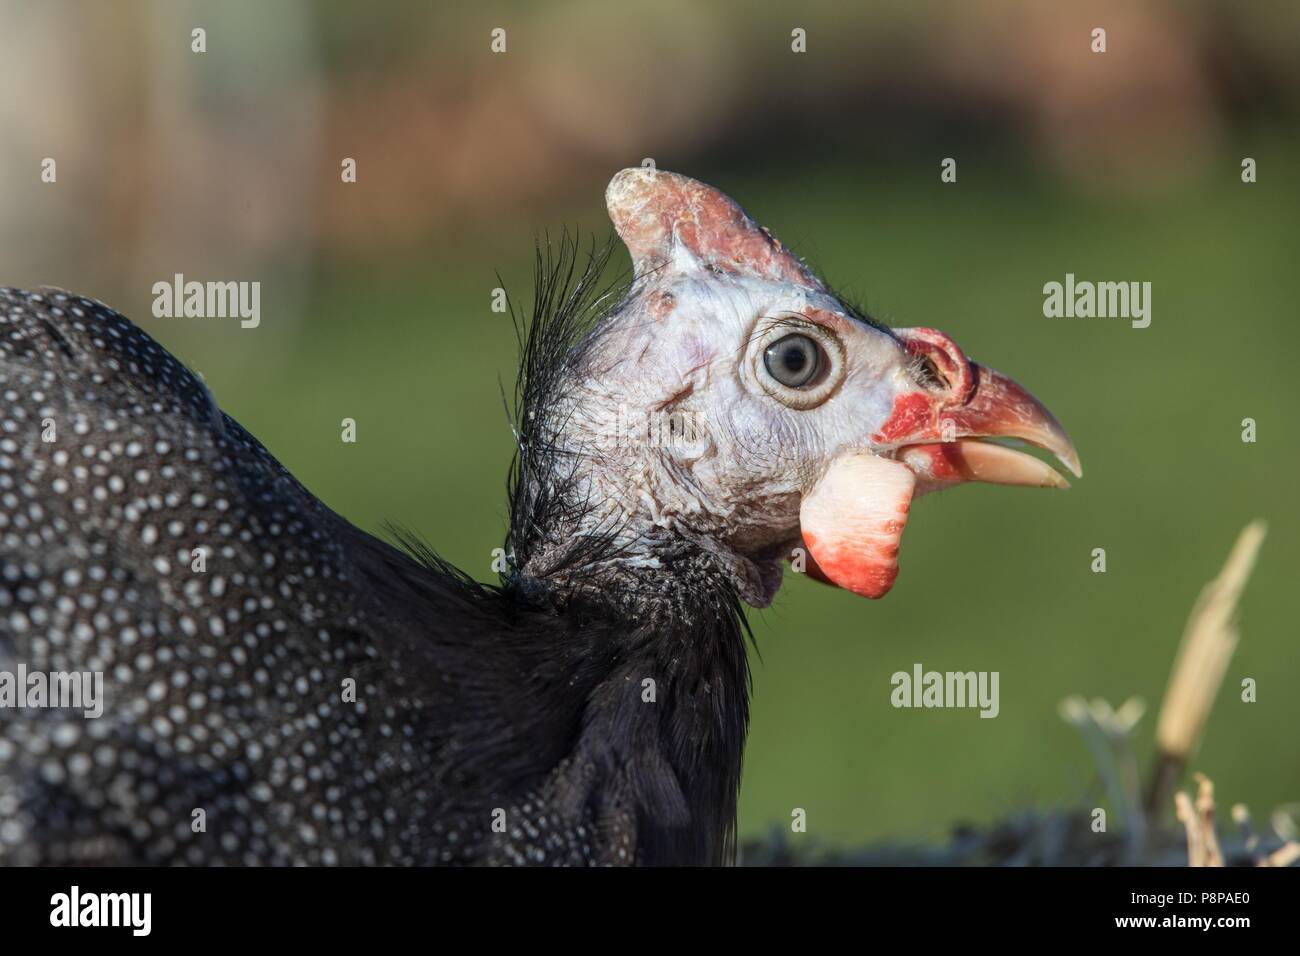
{"points": [[1208, 643]]}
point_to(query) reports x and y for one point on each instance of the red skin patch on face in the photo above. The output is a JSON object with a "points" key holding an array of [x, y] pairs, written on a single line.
{"points": [[943, 462], [915, 415], [912, 412]]}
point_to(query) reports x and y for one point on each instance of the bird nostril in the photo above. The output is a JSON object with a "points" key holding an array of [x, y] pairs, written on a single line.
{"points": [[939, 362], [928, 374]]}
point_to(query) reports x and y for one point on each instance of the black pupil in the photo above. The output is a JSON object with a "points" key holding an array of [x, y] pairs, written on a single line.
{"points": [[792, 361]]}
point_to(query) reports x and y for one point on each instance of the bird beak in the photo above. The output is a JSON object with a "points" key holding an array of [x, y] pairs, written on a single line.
{"points": [[852, 519], [1001, 408], [938, 435]]}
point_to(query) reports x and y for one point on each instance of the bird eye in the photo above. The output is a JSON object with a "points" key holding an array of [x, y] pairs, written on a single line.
{"points": [[793, 361], [798, 363]]}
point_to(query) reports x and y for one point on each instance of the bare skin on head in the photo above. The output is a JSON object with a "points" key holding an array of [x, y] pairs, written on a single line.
{"points": [[733, 401]]}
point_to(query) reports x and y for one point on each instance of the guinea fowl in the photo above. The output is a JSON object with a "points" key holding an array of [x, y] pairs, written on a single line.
{"points": [[315, 695]]}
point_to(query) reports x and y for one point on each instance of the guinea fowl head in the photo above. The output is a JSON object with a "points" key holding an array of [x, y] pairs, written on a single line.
{"points": [[733, 406]]}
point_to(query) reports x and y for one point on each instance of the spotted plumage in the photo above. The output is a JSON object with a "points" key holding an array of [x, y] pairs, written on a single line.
{"points": [[225, 687]]}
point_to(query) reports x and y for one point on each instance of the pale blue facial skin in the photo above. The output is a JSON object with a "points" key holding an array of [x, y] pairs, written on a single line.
{"points": [[684, 425], [728, 452], [687, 429]]}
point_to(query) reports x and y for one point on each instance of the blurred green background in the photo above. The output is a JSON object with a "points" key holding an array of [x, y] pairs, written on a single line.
{"points": [[375, 306]]}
